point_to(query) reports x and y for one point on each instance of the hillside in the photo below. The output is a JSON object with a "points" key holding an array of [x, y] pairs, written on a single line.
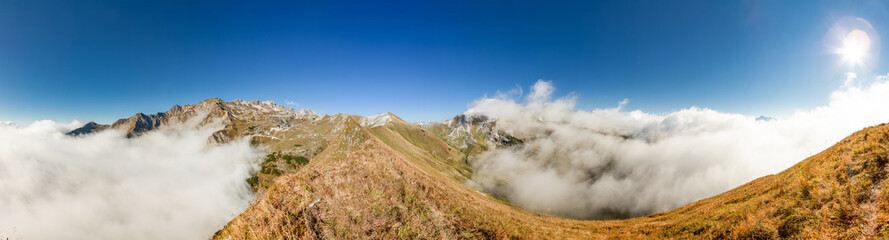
{"points": [[400, 180], [351, 177]]}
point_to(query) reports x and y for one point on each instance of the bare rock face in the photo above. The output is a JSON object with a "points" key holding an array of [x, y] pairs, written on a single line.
{"points": [[473, 129]]}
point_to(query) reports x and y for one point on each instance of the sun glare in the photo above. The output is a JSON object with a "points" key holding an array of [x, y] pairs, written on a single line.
{"points": [[855, 47]]}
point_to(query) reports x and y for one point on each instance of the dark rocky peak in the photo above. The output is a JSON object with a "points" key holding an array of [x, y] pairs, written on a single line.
{"points": [[87, 128], [175, 109], [139, 123]]}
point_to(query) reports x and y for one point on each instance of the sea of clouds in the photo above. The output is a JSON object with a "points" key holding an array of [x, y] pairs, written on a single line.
{"points": [[612, 163], [166, 184]]}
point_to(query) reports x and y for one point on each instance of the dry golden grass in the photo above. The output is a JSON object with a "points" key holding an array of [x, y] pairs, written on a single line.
{"points": [[396, 182]]}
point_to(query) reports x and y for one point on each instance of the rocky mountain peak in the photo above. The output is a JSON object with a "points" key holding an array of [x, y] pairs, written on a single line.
{"points": [[233, 115]]}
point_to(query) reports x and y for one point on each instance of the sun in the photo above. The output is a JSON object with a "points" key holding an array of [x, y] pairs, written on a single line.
{"points": [[855, 47]]}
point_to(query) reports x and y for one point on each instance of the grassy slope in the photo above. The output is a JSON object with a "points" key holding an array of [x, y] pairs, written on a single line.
{"points": [[398, 181]]}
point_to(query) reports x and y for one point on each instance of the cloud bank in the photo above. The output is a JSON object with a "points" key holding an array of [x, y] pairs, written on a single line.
{"points": [[166, 184], [611, 163]]}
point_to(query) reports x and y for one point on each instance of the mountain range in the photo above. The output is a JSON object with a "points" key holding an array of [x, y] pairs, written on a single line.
{"points": [[351, 177]]}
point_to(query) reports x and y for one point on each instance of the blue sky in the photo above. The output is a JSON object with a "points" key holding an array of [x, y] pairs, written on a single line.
{"points": [[422, 60]]}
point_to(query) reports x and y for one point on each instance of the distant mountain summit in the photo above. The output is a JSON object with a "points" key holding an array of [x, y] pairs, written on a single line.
{"points": [[88, 128], [764, 118], [380, 120]]}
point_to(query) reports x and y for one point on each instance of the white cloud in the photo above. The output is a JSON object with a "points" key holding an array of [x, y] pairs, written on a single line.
{"points": [[166, 184], [291, 103], [608, 162], [850, 79], [540, 92]]}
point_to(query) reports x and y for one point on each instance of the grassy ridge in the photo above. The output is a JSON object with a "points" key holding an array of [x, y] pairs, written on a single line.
{"points": [[402, 182]]}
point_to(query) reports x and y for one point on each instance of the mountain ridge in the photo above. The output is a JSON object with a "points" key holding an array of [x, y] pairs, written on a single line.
{"points": [[207, 111], [348, 176]]}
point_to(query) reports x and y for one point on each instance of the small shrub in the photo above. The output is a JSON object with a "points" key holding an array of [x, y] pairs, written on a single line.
{"points": [[295, 160], [253, 181]]}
